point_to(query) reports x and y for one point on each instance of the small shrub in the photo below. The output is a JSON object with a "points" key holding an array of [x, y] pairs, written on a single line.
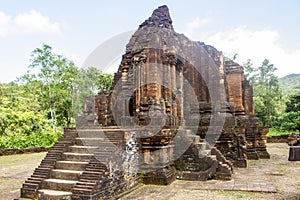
{"points": [[46, 139], [277, 132]]}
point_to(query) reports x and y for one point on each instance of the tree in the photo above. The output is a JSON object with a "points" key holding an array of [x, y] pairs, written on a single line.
{"points": [[89, 82], [19, 112], [42, 100], [249, 71], [293, 105], [66, 76], [268, 102], [53, 75], [62, 87], [290, 120]]}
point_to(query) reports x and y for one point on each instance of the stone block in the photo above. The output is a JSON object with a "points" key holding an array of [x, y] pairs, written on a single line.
{"points": [[294, 153]]}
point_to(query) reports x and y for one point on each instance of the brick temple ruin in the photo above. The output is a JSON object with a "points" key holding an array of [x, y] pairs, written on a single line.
{"points": [[177, 109]]}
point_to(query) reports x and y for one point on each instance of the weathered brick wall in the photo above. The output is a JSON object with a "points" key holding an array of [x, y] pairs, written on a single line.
{"points": [[248, 98], [291, 139], [234, 77], [181, 79]]}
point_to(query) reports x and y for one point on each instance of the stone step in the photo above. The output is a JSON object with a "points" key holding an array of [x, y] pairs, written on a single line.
{"points": [[112, 135], [55, 194], [65, 174], [112, 148], [37, 175], [58, 184], [81, 141], [100, 132], [70, 133], [83, 157], [35, 178], [91, 133], [82, 149], [32, 181], [71, 165], [94, 142], [106, 158]]}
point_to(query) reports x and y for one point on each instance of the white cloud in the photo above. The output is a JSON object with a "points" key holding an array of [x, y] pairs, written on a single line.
{"points": [[30, 22], [197, 23], [34, 21], [256, 45], [5, 25]]}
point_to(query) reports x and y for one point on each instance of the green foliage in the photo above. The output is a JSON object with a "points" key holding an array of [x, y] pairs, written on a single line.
{"points": [[46, 99], [249, 71], [45, 139], [290, 120], [61, 87], [89, 82], [290, 84], [293, 105], [19, 112], [105, 81], [231, 57], [53, 76], [22, 123], [277, 132], [274, 109], [268, 102]]}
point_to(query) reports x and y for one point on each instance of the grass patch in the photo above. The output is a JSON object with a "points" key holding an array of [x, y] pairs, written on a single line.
{"points": [[276, 132]]}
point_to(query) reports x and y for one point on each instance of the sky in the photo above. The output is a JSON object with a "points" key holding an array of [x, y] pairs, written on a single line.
{"points": [[255, 30]]}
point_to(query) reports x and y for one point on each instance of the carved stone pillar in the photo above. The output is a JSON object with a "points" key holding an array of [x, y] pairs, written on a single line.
{"points": [[180, 97], [248, 98], [138, 87]]}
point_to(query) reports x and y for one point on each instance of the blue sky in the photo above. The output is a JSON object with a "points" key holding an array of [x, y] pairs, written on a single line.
{"points": [[255, 29]]}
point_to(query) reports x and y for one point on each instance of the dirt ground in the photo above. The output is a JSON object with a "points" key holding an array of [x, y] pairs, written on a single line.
{"points": [[276, 173], [14, 170], [275, 179]]}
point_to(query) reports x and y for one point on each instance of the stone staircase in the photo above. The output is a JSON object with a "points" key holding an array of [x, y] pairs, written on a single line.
{"points": [[33, 184], [103, 175], [84, 164], [66, 173]]}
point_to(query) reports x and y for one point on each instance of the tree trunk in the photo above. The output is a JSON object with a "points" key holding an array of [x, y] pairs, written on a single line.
{"points": [[52, 117], [68, 123], [68, 118]]}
